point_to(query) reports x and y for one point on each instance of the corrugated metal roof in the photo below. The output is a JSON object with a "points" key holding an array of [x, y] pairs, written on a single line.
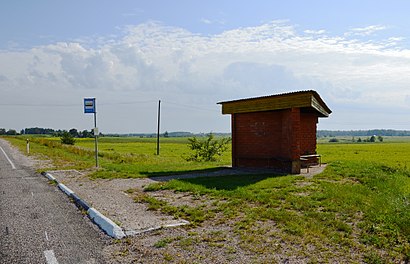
{"points": [[307, 98]]}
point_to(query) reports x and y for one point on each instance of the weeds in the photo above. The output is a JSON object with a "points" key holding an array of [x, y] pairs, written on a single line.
{"points": [[163, 242], [195, 215]]}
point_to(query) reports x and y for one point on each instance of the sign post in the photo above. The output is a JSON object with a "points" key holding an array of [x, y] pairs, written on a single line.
{"points": [[90, 108], [28, 146]]}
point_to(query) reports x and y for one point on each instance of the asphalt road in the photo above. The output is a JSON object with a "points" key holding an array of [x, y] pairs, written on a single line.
{"points": [[38, 223]]}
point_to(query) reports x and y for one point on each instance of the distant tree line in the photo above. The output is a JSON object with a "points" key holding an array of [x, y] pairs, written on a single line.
{"points": [[10, 132], [362, 133], [359, 140], [168, 134], [57, 133], [37, 131], [88, 134]]}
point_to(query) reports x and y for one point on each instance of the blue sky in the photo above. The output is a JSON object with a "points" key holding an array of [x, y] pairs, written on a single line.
{"points": [[193, 54], [38, 22]]}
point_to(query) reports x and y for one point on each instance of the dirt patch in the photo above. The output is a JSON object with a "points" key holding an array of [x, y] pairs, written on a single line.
{"points": [[111, 198], [302, 194], [216, 242], [313, 170], [182, 198], [302, 184]]}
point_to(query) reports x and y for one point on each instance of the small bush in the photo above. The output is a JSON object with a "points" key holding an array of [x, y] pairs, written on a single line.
{"points": [[208, 149], [333, 140], [67, 138]]}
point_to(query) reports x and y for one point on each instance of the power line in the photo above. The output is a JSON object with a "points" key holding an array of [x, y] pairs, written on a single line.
{"points": [[72, 105], [111, 103], [129, 102], [190, 106], [40, 105]]}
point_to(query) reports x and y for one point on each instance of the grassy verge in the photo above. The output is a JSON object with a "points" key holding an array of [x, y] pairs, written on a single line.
{"points": [[119, 157]]}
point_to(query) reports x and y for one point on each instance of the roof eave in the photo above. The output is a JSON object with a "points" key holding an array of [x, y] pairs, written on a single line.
{"points": [[301, 99]]}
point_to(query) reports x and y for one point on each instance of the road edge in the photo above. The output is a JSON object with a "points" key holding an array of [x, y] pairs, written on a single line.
{"points": [[103, 222]]}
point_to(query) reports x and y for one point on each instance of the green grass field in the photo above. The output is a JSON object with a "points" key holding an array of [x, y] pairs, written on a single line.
{"points": [[393, 154], [357, 210], [121, 157]]}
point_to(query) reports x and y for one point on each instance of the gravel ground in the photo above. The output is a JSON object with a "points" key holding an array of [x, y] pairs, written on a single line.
{"points": [[211, 242], [112, 200]]}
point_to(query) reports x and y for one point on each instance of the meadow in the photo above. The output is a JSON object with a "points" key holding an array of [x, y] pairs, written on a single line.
{"points": [[120, 157], [357, 210]]}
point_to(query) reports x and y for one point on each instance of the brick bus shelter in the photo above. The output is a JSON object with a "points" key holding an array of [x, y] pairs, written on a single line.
{"points": [[276, 131]]}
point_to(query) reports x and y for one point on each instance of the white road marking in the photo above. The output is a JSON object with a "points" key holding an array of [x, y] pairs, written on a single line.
{"points": [[50, 258], [32, 194], [46, 235], [7, 157]]}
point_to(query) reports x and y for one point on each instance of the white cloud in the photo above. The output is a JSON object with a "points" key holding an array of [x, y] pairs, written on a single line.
{"points": [[212, 21], [315, 32], [206, 21], [366, 31], [153, 61]]}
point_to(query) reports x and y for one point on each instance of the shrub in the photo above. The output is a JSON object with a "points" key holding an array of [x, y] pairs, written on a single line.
{"points": [[67, 138], [208, 149], [333, 140]]}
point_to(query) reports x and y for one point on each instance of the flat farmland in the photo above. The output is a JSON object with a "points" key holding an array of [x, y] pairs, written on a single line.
{"points": [[391, 153], [124, 157]]}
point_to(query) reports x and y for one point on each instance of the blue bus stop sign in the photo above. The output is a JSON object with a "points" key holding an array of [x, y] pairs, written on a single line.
{"points": [[89, 105]]}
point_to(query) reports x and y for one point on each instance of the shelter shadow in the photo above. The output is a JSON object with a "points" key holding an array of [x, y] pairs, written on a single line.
{"points": [[230, 182], [221, 178], [157, 175]]}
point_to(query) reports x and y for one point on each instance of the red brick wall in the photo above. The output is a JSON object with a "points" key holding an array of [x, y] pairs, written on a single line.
{"points": [[257, 135], [290, 143], [272, 139], [308, 123]]}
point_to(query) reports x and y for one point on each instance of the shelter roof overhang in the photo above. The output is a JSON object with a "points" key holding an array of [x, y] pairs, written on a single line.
{"points": [[301, 99]]}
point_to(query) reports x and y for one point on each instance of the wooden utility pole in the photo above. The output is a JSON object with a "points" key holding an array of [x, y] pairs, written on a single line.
{"points": [[159, 119]]}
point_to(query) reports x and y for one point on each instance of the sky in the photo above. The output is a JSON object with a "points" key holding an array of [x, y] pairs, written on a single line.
{"points": [[193, 54]]}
